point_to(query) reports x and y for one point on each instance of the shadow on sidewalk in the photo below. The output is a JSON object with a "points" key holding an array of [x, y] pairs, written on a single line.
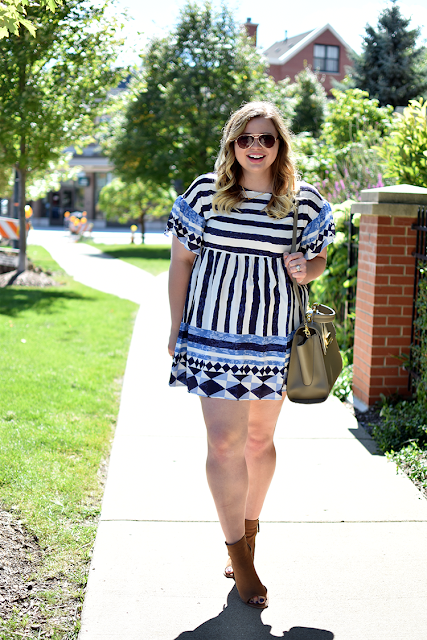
{"points": [[366, 440], [237, 621]]}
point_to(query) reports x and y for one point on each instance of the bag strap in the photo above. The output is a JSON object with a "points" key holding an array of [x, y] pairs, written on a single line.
{"points": [[293, 250], [326, 313]]}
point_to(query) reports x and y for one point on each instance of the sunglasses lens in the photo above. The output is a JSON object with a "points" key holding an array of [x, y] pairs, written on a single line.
{"points": [[245, 141], [267, 140]]}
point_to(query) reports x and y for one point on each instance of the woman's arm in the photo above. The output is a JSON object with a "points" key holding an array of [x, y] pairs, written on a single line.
{"points": [[309, 269], [179, 276]]}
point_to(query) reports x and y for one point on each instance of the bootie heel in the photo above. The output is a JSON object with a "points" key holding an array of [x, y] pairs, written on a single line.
{"points": [[251, 529], [247, 582]]}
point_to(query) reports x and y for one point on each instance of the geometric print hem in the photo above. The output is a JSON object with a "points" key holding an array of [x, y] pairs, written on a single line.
{"points": [[230, 382]]}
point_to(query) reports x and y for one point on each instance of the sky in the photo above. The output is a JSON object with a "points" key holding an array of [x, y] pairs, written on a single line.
{"points": [[274, 17]]}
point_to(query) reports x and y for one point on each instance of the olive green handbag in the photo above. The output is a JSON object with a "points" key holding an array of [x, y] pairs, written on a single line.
{"points": [[315, 357]]}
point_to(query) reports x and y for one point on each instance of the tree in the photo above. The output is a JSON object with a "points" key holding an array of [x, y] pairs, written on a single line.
{"points": [[352, 116], [310, 102], [389, 66], [128, 202], [52, 86], [404, 151], [344, 159], [13, 12], [191, 81], [39, 183]]}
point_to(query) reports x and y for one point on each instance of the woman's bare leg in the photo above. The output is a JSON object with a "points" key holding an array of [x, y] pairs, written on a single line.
{"points": [[241, 458], [227, 431], [227, 428], [260, 453]]}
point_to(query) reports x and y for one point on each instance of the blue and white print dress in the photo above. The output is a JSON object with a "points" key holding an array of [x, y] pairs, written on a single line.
{"points": [[240, 312]]}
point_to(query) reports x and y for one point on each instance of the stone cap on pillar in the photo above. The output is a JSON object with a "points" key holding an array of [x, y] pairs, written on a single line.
{"points": [[400, 200]]}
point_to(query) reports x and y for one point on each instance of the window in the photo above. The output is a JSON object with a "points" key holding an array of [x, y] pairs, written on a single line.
{"points": [[326, 58]]}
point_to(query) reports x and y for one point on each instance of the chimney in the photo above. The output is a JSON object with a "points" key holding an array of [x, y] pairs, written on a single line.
{"points": [[251, 29]]}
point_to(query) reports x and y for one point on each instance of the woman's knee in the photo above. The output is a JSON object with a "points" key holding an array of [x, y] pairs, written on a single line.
{"points": [[224, 444], [259, 443]]}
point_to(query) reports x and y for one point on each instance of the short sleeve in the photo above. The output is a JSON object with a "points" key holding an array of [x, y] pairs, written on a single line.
{"points": [[187, 218], [320, 230], [186, 225]]}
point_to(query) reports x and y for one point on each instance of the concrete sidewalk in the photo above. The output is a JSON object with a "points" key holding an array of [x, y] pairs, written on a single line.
{"points": [[342, 547], [89, 265]]}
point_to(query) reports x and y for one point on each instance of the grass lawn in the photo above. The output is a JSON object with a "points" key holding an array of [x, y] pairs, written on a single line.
{"points": [[152, 258], [64, 352]]}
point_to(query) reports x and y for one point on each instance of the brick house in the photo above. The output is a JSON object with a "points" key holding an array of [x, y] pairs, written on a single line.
{"points": [[323, 49]]}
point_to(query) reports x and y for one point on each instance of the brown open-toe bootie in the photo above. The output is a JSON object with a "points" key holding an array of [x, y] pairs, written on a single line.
{"points": [[248, 584], [251, 529]]}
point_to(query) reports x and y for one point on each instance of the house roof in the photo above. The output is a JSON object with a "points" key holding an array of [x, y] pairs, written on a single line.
{"points": [[282, 51], [283, 46]]}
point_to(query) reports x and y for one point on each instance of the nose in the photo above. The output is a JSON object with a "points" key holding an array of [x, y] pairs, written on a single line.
{"points": [[256, 144]]}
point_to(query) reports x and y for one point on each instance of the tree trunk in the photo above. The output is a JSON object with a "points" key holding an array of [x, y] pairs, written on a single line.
{"points": [[22, 174], [22, 264], [142, 223]]}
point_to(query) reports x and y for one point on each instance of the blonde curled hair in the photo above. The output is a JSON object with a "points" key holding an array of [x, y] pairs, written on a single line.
{"points": [[228, 194]]}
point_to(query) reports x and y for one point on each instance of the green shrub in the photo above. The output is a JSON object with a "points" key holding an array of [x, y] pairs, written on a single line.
{"points": [[403, 432], [343, 386], [345, 159], [333, 286], [404, 151], [413, 461], [403, 422]]}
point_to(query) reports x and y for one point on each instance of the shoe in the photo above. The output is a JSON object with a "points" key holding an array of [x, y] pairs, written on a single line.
{"points": [[251, 529], [247, 582]]}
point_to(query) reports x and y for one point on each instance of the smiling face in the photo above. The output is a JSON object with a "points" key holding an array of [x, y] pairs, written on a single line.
{"points": [[257, 160]]}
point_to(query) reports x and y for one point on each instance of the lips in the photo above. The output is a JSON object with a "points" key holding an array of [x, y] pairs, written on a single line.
{"points": [[255, 157]]}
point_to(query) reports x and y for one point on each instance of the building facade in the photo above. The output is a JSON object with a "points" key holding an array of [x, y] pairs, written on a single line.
{"points": [[81, 194], [323, 49]]}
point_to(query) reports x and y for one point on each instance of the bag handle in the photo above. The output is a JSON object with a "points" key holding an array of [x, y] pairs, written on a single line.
{"points": [[327, 314], [293, 250]]}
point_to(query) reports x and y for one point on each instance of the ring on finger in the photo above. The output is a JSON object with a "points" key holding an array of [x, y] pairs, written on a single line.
{"points": [[298, 267]]}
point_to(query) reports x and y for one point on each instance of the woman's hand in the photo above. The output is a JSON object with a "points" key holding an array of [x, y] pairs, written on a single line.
{"points": [[296, 266], [173, 337]]}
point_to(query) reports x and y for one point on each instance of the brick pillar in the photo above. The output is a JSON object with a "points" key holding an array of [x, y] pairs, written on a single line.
{"points": [[385, 289]]}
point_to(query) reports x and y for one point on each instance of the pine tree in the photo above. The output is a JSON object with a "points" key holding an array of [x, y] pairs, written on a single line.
{"points": [[390, 67], [310, 103]]}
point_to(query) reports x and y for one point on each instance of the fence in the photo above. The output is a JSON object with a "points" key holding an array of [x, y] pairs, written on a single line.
{"points": [[417, 332]]}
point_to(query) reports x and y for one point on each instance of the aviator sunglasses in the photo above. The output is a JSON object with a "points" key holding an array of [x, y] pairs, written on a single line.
{"points": [[246, 140]]}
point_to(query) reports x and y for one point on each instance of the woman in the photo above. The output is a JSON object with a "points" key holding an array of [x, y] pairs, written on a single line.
{"points": [[233, 312]]}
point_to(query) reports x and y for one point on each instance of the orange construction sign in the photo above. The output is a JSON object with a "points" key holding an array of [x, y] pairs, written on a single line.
{"points": [[9, 228]]}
